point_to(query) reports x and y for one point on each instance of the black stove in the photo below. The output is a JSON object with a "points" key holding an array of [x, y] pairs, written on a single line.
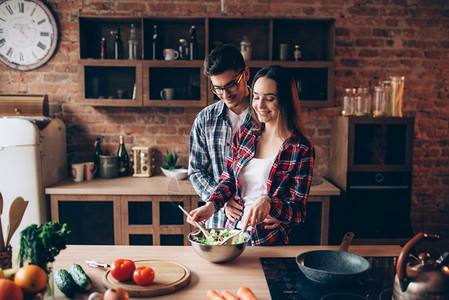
{"points": [[286, 281]]}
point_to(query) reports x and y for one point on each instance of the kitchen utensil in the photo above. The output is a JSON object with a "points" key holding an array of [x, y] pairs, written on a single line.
{"points": [[142, 158], [333, 267], [170, 277], [95, 264], [422, 278], [218, 253], [2, 241], [203, 230], [16, 212], [229, 239]]}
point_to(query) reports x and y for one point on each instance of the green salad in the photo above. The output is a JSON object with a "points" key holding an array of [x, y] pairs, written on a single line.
{"points": [[215, 237]]}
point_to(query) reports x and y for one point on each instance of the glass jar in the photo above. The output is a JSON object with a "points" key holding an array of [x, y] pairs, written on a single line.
{"points": [[245, 48], [379, 102], [183, 49], [348, 103], [297, 53], [362, 102]]}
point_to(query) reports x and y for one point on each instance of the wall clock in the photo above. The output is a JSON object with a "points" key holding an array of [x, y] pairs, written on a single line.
{"points": [[28, 34]]}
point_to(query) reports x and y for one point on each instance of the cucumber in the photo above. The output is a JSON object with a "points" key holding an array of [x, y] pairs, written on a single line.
{"points": [[81, 279], [65, 283]]}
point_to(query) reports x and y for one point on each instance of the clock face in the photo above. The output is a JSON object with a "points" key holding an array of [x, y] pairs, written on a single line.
{"points": [[28, 34]]}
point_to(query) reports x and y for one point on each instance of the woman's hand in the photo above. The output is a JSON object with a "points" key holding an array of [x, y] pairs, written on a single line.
{"points": [[233, 210], [201, 214], [257, 212]]}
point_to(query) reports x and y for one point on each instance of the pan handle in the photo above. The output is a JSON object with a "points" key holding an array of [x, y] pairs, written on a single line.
{"points": [[347, 239]]}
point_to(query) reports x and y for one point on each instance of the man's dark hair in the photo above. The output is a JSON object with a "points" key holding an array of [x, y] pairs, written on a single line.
{"points": [[223, 58]]}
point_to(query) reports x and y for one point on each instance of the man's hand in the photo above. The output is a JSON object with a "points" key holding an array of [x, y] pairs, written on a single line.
{"points": [[233, 210], [272, 222]]}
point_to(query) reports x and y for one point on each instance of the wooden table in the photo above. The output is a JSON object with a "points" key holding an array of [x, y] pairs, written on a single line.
{"points": [[245, 270], [157, 189]]}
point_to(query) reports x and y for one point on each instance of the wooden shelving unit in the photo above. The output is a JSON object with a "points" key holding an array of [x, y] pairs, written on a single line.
{"points": [[314, 73]]}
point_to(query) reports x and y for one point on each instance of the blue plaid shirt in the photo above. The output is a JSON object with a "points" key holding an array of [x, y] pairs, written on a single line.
{"points": [[210, 141]]}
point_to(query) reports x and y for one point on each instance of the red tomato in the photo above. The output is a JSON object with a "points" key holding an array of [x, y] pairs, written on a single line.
{"points": [[122, 269], [143, 275]]}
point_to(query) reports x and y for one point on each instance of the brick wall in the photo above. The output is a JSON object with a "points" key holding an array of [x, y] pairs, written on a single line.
{"points": [[374, 38]]}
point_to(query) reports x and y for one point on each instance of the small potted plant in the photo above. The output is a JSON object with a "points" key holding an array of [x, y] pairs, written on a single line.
{"points": [[171, 169]]}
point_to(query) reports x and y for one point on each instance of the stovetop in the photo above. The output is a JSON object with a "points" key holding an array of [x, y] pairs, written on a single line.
{"points": [[286, 281]]}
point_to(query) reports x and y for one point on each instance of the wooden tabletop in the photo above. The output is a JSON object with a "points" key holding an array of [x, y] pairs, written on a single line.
{"points": [[156, 185], [245, 270]]}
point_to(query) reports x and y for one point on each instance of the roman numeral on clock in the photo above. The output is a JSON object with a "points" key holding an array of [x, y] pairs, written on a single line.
{"points": [[1, 30], [9, 9], [45, 33], [2, 42], [9, 53], [21, 56], [41, 21], [21, 8], [42, 46]]}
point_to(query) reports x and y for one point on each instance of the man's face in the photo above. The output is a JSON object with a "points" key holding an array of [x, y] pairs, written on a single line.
{"points": [[231, 88]]}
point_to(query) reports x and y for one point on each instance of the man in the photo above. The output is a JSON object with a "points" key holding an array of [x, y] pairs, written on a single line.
{"points": [[215, 126]]}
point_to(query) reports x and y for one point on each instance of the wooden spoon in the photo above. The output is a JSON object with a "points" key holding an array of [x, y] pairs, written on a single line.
{"points": [[229, 239], [203, 230], [16, 212], [2, 241]]}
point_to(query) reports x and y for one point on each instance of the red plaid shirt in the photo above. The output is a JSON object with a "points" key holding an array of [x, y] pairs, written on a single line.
{"points": [[288, 183]]}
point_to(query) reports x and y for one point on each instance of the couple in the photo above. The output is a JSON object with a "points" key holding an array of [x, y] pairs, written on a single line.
{"points": [[249, 153]]}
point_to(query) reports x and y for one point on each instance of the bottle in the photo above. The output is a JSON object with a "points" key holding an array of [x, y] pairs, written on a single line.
{"points": [[132, 43], [193, 45], [122, 159], [245, 48], [103, 49], [379, 103], [297, 53], [348, 103], [97, 152], [118, 45], [154, 46]]}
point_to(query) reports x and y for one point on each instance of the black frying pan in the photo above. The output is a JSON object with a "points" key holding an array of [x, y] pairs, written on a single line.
{"points": [[333, 266]]}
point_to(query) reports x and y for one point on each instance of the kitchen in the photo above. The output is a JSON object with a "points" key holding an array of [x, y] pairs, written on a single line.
{"points": [[372, 41]]}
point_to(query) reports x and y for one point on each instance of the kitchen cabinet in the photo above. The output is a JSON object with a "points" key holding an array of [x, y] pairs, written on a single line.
{"points": [[124, 82], [143, 211], [371, 160]]}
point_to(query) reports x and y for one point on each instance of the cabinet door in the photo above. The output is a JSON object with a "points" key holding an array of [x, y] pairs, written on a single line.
{"points": [[93, 219], [154, 220]]}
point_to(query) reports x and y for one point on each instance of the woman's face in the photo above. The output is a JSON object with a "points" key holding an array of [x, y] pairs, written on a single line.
{"points": [[265, 101]]}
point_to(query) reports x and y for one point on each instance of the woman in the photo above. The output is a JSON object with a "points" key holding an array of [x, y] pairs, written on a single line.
{"points": [[270, 165]]}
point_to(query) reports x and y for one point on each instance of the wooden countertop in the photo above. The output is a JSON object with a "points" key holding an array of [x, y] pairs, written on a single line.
{"points": [[245, 270], [157, 185]]}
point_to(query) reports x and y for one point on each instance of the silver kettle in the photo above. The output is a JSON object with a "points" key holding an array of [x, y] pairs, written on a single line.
{"points": [[423, 278]]}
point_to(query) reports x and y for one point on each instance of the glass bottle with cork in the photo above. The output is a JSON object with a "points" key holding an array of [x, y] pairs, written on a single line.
{"points": [[97, 152], [154, 43], [122, 159], [118, 45], [193, 44], [132, 43]]}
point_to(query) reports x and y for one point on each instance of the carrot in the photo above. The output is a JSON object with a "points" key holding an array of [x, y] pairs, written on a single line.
{"points": [[227, 295], [246, 294], [213, 295]]}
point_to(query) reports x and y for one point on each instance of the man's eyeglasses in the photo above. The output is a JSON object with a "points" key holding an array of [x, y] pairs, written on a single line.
{"points": [[230, 88]]}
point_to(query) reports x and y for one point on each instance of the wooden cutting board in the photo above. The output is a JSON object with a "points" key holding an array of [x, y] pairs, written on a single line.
{"points": [[169, 277]]}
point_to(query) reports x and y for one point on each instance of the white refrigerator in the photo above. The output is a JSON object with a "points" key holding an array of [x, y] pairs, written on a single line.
{"points": [[33, 156]]}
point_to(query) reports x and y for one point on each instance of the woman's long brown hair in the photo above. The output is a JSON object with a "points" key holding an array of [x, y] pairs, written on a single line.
{"points": [[288, 100]]}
